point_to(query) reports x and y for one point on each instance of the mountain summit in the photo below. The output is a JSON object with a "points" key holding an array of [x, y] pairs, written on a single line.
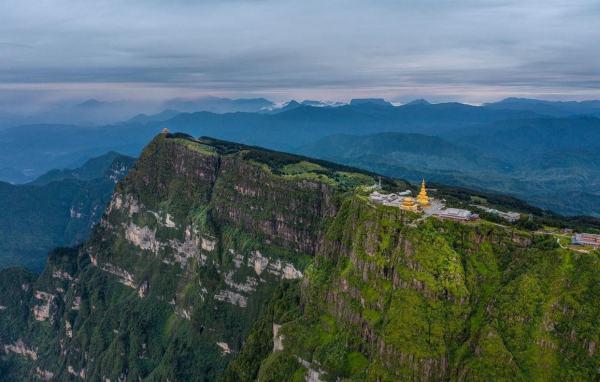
{"points": [[219, 261]]}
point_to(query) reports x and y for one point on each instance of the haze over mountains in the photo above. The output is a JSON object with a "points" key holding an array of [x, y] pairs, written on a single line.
{"points": [[92, 112], [543, 151]]}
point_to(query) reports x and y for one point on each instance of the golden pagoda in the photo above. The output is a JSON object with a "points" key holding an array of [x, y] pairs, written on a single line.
{"points": [[422, 198], [408, 204]]}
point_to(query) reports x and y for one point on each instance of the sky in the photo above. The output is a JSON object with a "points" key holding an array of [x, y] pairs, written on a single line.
{"points": [[149, 50]]}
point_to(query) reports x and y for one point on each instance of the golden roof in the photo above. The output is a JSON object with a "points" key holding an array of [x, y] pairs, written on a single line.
{"points": [[422, 198], [408, 203]]}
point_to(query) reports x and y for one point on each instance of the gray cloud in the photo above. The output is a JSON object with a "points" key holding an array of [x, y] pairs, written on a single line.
{"points": [[465, 49]]}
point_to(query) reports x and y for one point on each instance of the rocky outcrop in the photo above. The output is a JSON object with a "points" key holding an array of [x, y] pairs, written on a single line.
{"points": [[123, 276], [313, 373], [275, 267], [231, 297], [224, 347], [44, 375], [287, 212], [42, 310], [20, 348], [277, 338], [142, 237]]}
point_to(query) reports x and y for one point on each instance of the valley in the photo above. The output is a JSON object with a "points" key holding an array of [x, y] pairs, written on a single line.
{"points": [[58, 208]]}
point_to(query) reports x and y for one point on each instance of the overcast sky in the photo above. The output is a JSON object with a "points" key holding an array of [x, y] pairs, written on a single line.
{"points": [[465, 50]]}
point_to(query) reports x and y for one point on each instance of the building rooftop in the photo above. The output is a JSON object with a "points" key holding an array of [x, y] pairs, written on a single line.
{"points": [[391, 199], [509, 216], [455, 213], [586, 239]]}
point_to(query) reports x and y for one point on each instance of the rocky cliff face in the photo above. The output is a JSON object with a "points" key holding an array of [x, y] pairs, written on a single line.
{"points": [[216, 261], [193, 243], [388, 298]]}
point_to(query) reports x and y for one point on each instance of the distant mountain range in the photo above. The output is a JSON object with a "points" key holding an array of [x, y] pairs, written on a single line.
{"points": [[93, 112], [554, 164], [57, 209], [28, 151], [533, 150], [548, 108], [218, 105]]}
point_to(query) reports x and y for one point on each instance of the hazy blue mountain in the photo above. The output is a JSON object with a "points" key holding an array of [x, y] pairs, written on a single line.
{"points": [[316, 103], [13, 175], [419, 101], [291, 105], [91, 112], [519, 140], [557, 172], [57, 209], [371, 101], [218, 105], [111, 165], [10, 119], [29, 151], [418, 151], [159, 117], [32, 150], [549, 108], [531, 156]]}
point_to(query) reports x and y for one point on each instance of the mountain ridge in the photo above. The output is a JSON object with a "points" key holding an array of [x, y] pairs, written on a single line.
{"points": [[240, 263]]}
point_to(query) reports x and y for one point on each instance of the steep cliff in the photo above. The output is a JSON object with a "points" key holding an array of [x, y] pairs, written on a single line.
{"points": [[389, 298], [217, 261], [193, 244]]}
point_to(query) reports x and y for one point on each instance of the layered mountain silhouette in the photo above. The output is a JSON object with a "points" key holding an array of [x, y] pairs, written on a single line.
{"points": [[523, 142]]}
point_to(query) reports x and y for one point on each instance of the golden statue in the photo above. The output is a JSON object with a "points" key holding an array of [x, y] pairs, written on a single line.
{"points": [[422, 198], [408, 204]]}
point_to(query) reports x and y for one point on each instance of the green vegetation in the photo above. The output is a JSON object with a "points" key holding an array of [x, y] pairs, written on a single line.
{"points": [[443, 301], [193, 274], [59, 208]]}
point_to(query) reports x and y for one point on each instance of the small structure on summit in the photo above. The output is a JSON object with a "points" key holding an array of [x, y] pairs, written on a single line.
{"points": [[402, 200], [422, 198], [422, 203], [165, 131]]}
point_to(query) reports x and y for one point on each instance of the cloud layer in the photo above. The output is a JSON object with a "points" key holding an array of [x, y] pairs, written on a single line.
{"points": [[466, 50]]}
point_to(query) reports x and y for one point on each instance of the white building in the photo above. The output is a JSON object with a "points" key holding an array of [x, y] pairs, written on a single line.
{"points": [[456, 214], [586, 239], [391, 199], [509, 216]]}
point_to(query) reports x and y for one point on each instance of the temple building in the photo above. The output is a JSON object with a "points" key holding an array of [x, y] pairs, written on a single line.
{"points": [[409, 204], [586, 239], [456, 214], [422, 198]]}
